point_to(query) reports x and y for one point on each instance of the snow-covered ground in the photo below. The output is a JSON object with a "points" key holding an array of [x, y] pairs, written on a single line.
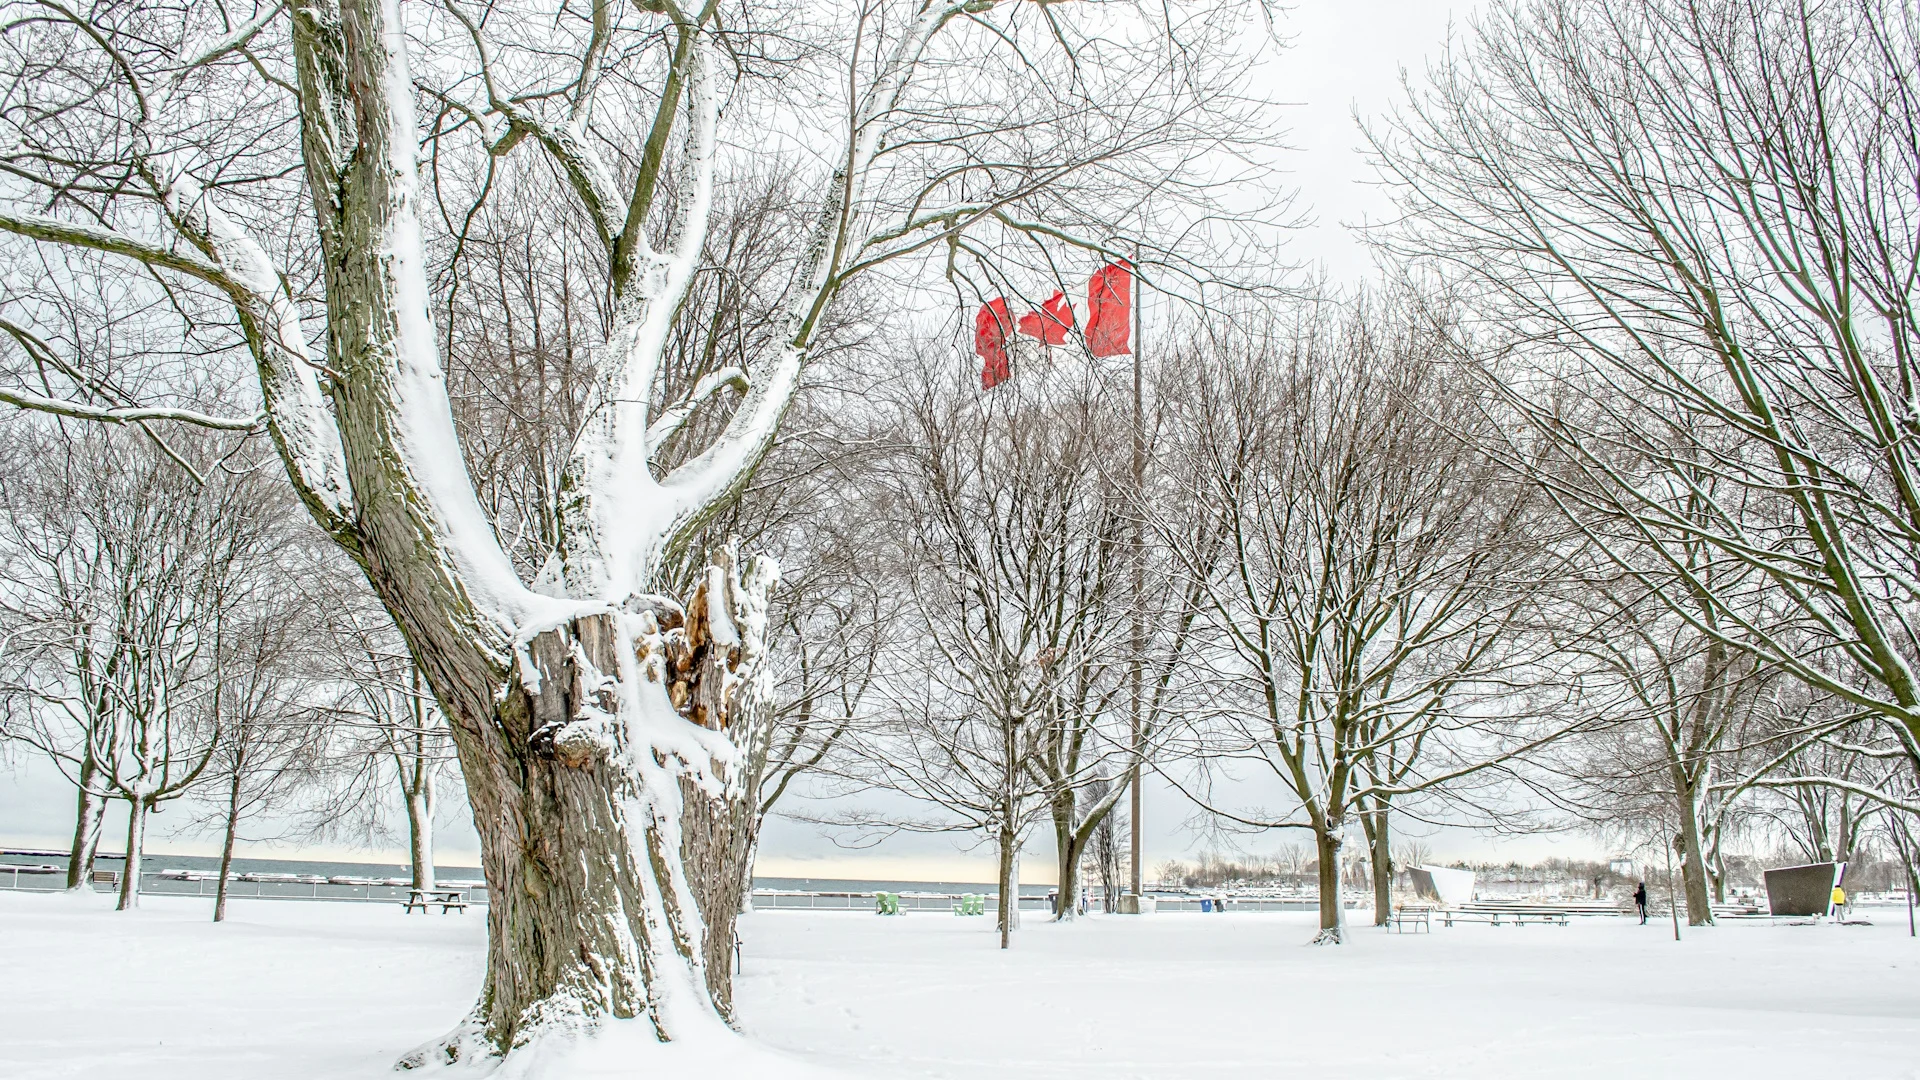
{"points": [[300, 990]]}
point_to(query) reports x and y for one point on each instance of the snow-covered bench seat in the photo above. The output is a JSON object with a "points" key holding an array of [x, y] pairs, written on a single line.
{"points": [[1504, 914], [448, 899], [1417, 916]]}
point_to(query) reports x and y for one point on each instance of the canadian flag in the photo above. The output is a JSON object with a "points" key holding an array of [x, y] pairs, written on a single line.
{"points": [[1110, 309], [1109, 324], [1051, 323], [991, 325]]}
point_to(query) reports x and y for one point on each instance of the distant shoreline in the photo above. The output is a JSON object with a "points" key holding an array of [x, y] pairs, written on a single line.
{"points": [[155, 861]]}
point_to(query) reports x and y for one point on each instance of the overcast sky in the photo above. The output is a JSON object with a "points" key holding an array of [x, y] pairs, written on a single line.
{"points": [[1345, 56]]}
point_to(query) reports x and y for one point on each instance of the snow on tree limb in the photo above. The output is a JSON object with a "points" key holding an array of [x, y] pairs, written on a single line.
{"points": [[1875, 794], [128, 414], [675, 418], [73, 234]]}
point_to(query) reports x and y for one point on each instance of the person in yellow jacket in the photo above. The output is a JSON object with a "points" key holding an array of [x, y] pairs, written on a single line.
{"points": [[1839, 901]]}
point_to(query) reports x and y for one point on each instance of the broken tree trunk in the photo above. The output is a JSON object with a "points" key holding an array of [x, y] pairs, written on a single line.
{"points": [[612, 810]]}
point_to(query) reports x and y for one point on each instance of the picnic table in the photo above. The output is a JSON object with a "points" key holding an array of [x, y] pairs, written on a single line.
{"points": [[448, 899], [1501, 914]]}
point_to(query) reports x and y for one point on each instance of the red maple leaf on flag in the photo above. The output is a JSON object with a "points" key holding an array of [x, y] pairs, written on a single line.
{"points": [[1110, 309], [990, 327], [1051, 323]]}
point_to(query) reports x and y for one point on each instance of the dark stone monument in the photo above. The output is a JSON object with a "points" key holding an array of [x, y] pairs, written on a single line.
{"points": [[1423, 884], [1441, 884], [1803, 890]]}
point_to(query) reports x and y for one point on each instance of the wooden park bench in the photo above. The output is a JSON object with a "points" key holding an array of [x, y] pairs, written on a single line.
{"points": [[448, 899], [1418, 916]]}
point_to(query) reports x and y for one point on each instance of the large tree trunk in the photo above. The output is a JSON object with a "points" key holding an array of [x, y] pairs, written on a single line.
{"points": [[753, 727], [613, 819], [1329, 840], [1009, 909], [594, 731], [746, 866], [1379, 847], [226, 848], [420, 832], [136, 839], [1717, 867], [1069, 844], [88, 815], [591, 913], [717, 848], [1693, 864]]}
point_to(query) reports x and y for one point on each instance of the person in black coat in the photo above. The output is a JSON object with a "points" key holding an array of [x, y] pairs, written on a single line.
{"points": [[1640, 901]]}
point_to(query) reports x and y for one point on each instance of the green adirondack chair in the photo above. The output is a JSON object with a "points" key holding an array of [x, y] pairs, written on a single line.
{"points": [[886, 903], [971, 904]]}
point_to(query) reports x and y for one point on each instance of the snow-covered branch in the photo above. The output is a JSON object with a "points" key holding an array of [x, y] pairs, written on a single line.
{"points": [[675, 418], [1873, 794], [127, 414]]}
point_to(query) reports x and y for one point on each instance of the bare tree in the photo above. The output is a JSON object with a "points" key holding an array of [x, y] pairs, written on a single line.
{"points": [[271, 730], [598, 724], [1011, 548], [130, 569], [971, 770], [1361, 628], [1820, 775], [1696, 221], [386, 735], [1672, 708], [827, 649], [1105, 847]]}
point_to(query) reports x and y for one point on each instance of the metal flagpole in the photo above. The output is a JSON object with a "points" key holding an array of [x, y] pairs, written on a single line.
{"points": [[1139, 588]]}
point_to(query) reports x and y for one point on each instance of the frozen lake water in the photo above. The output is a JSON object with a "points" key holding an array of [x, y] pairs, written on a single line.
{"points": [[312, 990]]}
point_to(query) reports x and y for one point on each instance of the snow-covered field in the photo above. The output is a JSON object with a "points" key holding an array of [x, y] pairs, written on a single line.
{"points": [[307, 990]]}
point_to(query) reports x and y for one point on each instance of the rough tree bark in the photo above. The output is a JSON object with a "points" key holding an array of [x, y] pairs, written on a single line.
{"points": [[226, 847], [1329, 841], [420, 834], [610, 803], [1073, 836], [1380, 853], [1693, 865], [136, 838], [88, 815], [1069, 844], [1008, 911]]}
